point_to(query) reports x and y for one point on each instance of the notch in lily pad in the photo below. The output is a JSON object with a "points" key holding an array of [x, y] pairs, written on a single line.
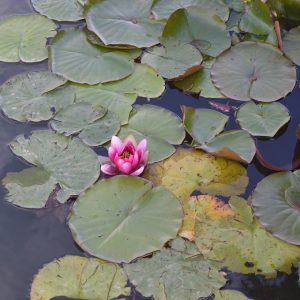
{"points": [[206, 126]]}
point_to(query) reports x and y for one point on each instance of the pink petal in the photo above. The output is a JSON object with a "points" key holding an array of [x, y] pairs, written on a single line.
{"points": [[145, 158], [142, 146], [117, 144], [138, 171], [108, 169], [112, 153], [130, 140], [135, 160], [125, 168]]}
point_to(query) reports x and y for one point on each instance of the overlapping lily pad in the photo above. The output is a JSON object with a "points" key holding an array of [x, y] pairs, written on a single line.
{"points": [[144, 81], [24, 37], [173, 59], [239, 242], [252, 70], [125, 22], [189, 170], [205, 125], [94, 126], [200, 82], [63, 165], [123, 217], [79, 277], [163, 9], [176, 273], [60, 10], [30, 96], [184, 25], [161, 127], [256, 18], [291, 44], [73, 57], [275, 201], [263, 119], [229, 295]]}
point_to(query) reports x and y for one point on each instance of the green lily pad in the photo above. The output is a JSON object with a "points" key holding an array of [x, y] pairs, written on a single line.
{"points": [[126, 22], [194, 119], [73, 57], [229, 295], [98, 95], [173, 59], [163, 9], [276, 203], [79, 277], [239, 242], [189, 169], [34, 96], [94, 126], [184, 25], [257, 18], [123, 217], [291, 44], [200, 82], [175, 273], [24, 38], [252, 70], [161, 127], [233, 144], [60, 10], [61, 162], [144, 81], [263, 119], [236, 5]]}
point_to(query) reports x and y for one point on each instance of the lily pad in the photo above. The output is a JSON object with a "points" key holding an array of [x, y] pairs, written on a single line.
{"points": [[163, 9], [229, 295], [73, 57], [291, 44], [236, 5], [126, 22], [263, 119], [60, 10], [239, 242], [24, 38], [94, 126], [184, 25], [123, 217], [79, 277], [275, 202], [200, 82], [34, 96], [65, 163], [161, 127], [190, 169], [256, 18], [194, 120], [233, 144], [252, 70], [176, 273], [144, 81], [98, 95], [173, 59]]}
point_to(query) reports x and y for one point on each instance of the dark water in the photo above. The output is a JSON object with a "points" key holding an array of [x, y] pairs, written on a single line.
{"points": [[28, 240]]}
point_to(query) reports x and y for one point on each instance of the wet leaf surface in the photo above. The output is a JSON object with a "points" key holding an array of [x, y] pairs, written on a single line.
{"points": [[123, 217]]}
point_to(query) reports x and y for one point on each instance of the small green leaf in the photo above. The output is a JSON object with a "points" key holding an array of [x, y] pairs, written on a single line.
{"points": [[73, 57], [252, 70], [123, 217], [176, 273], [79, 277], [24, 37], [263, 119]]}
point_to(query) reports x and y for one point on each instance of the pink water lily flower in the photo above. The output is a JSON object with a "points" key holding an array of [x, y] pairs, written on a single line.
{"points": [[126, 157]]}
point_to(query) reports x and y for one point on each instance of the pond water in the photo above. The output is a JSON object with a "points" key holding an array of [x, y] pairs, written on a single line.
{"points": [[30, 239]]}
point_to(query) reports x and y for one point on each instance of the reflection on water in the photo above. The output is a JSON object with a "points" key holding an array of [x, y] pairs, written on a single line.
{"points": [[28, 240]]}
